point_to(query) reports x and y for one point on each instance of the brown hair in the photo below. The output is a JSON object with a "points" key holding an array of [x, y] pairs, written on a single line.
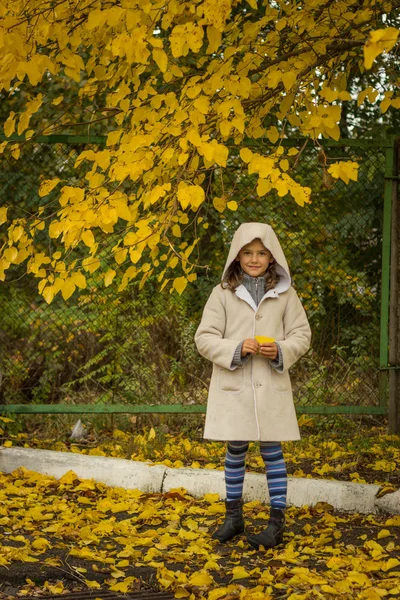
{"points": [[234, 276]]}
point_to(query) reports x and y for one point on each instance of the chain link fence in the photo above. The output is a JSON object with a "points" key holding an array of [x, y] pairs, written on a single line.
{"points": [[136, 347]]}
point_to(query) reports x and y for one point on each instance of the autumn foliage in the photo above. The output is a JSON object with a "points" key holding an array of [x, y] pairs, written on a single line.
{"points": [[178, 88], [80, 533]]}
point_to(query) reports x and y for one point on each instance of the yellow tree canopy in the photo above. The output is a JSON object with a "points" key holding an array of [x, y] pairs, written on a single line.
{"points": [[176, 85]]}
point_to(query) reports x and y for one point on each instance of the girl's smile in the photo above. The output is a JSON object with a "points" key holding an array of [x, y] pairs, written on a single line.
{"points": [[254, 258]]}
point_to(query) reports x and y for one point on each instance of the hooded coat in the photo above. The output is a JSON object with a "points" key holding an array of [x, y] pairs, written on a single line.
{"points": [[252, 401]]}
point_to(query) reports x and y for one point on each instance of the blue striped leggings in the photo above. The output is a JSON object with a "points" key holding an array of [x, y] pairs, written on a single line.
{"points": [[235, 467]]}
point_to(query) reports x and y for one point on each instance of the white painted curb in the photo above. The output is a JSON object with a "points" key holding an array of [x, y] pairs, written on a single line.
{"points": [[128, 474], [115, 472]]}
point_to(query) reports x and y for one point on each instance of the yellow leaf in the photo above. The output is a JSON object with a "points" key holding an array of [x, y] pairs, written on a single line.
{"points": [[383, 533], [220, 154], [246, 155], [48, 293], [41, 544], [58, 588], [385, 104], [120, 255], [58, 100], [214, 38], [281, 187], [3, 214], [345, 96], [69, 478], [202, 104], [345, 171], [10, 254], [238, 123], [263, 187], [88, 238], [109, 276], [192, 195], [180, 284], [384, 465], [152, 434], [284, 164], [16, 233], [388, 488], [360, 578], [328, 589], [91, 264], [92, 584], [200, 579], [67, 288], [329, 94], [304, 420], [232, 205], [218, 593], [239, 573], [79, 279], [15, 151], [124, 563], [193, 91], [47, 185], [55, 229], [160, 58], [289, 80], [173, 262], [219, 204], [379, 41], [225, 127], [273, 134], [391, 564], [176, 230], [9, 125]]}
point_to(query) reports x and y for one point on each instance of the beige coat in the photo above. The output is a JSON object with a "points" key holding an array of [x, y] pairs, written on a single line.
{"points": [[253, 401]]}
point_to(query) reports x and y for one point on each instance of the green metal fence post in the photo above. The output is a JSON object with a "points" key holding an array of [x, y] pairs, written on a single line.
{"points": [[394, 312], [385, 282]]}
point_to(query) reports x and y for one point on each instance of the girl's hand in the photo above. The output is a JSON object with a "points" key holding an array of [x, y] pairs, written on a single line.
{"points": [[250, 346], [269, 350]]}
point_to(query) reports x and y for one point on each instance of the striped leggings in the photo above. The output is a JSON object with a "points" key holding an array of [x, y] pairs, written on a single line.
{"points": [[235, 467]]}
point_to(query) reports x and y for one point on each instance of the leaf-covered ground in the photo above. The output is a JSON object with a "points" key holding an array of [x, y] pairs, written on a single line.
{"points": [[70, 534], [363, 454]]}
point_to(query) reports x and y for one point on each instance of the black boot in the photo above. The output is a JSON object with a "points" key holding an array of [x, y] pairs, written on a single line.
{"points": [[273, 534], [233, 524]]}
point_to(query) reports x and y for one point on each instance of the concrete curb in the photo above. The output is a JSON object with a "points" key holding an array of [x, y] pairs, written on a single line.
{"points": [[128, 474]]}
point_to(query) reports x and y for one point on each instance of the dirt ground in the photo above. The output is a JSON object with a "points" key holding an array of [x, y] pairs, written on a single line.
{"points": [[163, 542]]}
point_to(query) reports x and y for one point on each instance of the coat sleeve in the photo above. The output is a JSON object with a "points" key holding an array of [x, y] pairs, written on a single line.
{"points": [[297, 331], [209, 337]]}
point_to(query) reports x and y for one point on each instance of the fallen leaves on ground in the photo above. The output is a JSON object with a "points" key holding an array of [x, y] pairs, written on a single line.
{"points": [[369, 456], [85, 532]]}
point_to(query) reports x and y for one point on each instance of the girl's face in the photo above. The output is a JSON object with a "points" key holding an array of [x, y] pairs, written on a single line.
{"points": [[254, 258]]}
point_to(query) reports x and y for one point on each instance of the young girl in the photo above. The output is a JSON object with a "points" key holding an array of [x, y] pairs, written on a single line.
{"points": [[250, 395]]}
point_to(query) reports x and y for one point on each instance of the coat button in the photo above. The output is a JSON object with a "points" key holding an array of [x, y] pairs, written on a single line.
{"points": [[258, 317], [257, 384]]}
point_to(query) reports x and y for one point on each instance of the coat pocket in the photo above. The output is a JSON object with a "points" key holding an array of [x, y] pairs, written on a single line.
{"points": [[280, 382], [231, 381]]}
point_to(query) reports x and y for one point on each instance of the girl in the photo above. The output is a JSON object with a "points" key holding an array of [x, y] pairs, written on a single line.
{"points": [[250, 395]]}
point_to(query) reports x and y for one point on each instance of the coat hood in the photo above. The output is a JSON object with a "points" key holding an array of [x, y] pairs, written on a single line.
{"points": [[245, 234]]}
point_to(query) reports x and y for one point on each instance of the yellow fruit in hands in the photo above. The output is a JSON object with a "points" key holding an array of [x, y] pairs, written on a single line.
{"points": [[262, 339]]}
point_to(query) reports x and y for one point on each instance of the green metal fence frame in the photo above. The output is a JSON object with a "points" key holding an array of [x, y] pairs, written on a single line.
{"points": [[388, 146]]}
